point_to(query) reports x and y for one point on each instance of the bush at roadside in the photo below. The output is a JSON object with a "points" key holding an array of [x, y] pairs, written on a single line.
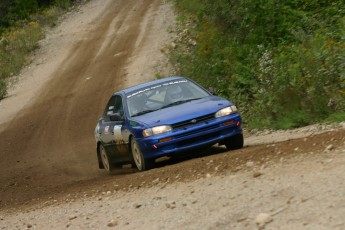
{"points": [[21, 28], [281, 62]]}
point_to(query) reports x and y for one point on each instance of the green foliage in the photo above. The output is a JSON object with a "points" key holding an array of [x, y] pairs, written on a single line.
{"points": [[3, 88], [14, 48], [21, 23], [281, 62], [190, 5], [337, 117], [63, 4], [13, 11]]}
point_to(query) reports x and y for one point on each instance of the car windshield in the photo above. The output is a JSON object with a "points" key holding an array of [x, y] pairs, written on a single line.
{"points": [[164, 95]]}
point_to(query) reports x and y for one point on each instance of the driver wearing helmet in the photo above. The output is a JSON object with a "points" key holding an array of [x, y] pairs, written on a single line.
{"points": [[137, 104], [174, 94]]}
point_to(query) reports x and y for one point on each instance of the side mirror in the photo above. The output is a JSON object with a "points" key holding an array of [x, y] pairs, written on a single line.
{"points": [[116, 117], [212, 91]]}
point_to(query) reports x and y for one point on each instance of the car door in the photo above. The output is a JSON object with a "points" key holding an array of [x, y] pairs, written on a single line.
{"points": [[110, 128]]}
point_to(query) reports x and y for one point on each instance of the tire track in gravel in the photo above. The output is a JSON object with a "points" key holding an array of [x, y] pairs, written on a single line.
{"points": [[50, 143]]}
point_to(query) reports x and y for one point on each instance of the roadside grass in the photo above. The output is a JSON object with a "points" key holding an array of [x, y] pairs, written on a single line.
{"points": [[282, 64], [15, 47], [336, 117], [22, 38]]}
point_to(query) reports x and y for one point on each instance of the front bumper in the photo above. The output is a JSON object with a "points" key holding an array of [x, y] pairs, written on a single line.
{"points": [[191, 137]]}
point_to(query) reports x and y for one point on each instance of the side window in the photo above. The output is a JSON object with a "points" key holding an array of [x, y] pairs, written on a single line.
{"points": [[118, 106], [114, 106]]}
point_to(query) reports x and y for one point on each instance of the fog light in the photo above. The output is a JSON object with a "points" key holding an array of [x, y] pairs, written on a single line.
{"points": [[228, 122]]}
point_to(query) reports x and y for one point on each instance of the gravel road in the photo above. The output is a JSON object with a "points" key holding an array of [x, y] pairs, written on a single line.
{"points": [[48, 170]]}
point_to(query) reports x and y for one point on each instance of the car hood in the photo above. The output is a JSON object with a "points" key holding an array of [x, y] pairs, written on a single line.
{"points": [[182, 112]]}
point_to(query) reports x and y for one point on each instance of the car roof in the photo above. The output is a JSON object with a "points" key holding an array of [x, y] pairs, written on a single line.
{"points": [[150, 83]]}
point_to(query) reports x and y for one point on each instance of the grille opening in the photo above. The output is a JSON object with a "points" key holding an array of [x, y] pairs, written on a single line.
{"points": [[193, 121]]}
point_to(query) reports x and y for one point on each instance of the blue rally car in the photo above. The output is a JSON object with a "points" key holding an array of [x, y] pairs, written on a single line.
{"points": [[164, 117]]}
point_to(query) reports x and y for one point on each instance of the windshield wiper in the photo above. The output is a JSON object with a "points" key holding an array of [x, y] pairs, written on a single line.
{"points": [[179, 102], [166, 106], [144, 112]]}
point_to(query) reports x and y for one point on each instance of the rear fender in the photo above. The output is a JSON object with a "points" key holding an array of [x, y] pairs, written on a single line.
{"points": [[100, 163]]}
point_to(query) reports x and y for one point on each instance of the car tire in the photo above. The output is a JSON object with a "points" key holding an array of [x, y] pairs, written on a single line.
{"points": [[235, 142], [106, 160], [141, 163]]}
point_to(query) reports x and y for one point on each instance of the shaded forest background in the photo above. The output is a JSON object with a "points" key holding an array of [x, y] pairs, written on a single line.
{"points": [[281, 62], [22, 24], [14, 12]]}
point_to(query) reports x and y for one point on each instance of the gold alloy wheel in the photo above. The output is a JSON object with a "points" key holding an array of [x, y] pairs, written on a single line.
{"points": [[105, 159], [137, 155]]}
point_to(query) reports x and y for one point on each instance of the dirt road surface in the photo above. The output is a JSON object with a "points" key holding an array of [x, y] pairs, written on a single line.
{"points": [[50, 142], [48, 170]]}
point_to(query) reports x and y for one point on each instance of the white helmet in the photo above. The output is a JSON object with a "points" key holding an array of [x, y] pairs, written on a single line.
{"points": [[137, 103], [174, 93]]}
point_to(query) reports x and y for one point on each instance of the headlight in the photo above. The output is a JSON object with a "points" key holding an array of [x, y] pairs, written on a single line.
{"points": [[156, 130], [226, 111]]}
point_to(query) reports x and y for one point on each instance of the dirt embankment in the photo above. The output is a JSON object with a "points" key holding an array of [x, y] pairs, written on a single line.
{"points": [[48, 169], [49, 142]]}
